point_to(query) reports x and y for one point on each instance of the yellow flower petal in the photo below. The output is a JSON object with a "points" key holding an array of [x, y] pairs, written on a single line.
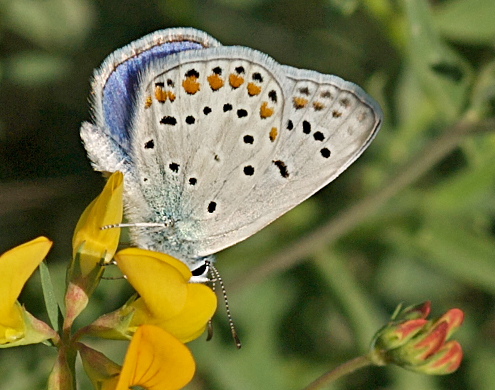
{"points": [[158, 278], [156, 361], [200, 306], [16, 266], [12, 327], [141, 253], [93, 243]]}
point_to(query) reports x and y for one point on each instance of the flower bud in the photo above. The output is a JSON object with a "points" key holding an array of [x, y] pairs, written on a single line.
{"points": [[411, 341]]}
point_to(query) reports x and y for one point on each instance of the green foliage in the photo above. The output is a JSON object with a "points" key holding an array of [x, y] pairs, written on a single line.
{"points": [[412, 220]]}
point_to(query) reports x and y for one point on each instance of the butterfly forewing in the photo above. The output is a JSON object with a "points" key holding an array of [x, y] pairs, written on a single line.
{"points": [[232, 140]]}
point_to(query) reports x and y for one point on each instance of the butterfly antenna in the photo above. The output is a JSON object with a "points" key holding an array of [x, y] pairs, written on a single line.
{"points": [[138, 224], [218, 278], [210, 322]]}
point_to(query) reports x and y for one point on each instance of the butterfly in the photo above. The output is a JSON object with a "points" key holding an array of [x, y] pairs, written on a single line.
{"points": [[216, 142]]}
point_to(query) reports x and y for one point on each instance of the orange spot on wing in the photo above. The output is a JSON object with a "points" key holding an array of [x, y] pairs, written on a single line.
{"points": [[235, 80], [273, 134], [171, 95], [149, 102], [336, 114], [253, 89], [300, 102], [191, 85], [265, 111], [160, 94], [216, 82], [318, 106]]}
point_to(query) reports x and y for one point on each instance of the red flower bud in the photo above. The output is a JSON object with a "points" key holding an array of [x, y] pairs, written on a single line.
{"points": [[415, 343]]}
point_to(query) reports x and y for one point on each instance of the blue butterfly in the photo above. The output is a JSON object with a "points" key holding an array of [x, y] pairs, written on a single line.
{"points": [[215, 142]]}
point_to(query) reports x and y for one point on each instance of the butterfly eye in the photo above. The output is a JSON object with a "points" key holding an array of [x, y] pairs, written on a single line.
{"points": [[201, 270]]}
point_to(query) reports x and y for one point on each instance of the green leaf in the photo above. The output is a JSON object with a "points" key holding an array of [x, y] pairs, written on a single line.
{"points": [[49, 296], [401, 277], [444, 75], [415, 114], [456, 250], [468, 192], [483, 95], [467, 21], [358, 304]]}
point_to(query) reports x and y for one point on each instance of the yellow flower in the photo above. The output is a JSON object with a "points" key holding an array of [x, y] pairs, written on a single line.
{"points": [[93, 246], [166, 298], [156, 360], [91, 242], [17, 326]]}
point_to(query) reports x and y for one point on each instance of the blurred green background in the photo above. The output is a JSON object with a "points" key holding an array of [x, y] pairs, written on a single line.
{"points": [[412, 220]]}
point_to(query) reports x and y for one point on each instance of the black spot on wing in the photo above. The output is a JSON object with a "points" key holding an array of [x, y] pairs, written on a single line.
{"points": [[282, 168], [248, 170], [168, 120]]}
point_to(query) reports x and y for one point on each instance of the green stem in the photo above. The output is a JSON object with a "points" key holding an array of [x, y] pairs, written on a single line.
{"points": [[340, 371]]}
